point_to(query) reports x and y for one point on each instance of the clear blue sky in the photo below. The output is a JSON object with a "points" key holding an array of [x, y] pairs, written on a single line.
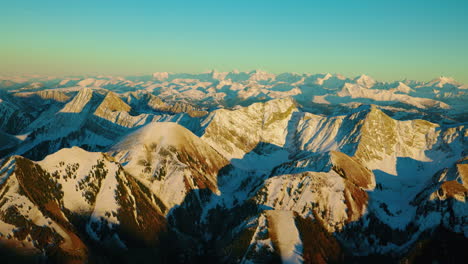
{"points": [[396, 39]]}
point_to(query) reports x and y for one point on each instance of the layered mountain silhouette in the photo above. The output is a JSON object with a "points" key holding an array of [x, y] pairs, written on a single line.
{"points": [[235, 167]]}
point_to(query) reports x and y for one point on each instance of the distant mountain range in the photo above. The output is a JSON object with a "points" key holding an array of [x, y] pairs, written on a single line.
{"points": [[233, 167]]}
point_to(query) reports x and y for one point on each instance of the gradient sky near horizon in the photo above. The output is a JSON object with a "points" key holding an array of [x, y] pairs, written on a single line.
{"points": [[387, 40]]}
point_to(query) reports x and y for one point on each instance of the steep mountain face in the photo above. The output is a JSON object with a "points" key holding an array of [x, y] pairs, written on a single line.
{"points": [[239, 167], [145, 101], [50, 206], [170, 160], [7, 143], [58, 127], [103, 191], [336, 200], [44, 95], [365, 81], [13, 119], [235, 133], [377, 140], [91, 119], [446, 193]]}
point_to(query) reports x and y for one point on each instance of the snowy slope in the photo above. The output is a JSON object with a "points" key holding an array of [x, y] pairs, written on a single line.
{"points": [[170, 159], [233, 167]]}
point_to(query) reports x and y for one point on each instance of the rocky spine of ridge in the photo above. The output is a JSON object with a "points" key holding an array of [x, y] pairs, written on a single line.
{"points": [[143, 100], [46, 95]]}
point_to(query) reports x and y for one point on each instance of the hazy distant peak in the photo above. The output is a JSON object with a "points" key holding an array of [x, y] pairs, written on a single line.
{"points": [[442, 81], [160, 76], [365, 81]]}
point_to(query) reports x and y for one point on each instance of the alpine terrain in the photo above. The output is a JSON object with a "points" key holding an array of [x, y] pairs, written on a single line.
{"points": [[233, 167]]}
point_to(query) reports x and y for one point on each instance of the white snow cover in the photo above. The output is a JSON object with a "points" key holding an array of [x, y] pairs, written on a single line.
{"points": [[148, 142], [77, 104], [289, 242], [299, 193], [402, 154], [259, 122], [26, 208], [356, 91], [257, 85], [106, 199], [73, 196], [106, 206], [365, 81]]}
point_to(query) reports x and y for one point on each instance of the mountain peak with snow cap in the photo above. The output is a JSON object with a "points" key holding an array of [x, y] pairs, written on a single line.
{"points": [[365, 81], [160, 76], [442, 81], [259, 75]]}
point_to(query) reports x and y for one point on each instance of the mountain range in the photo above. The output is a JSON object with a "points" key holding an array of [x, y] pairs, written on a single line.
{"points": [[233, 167]]}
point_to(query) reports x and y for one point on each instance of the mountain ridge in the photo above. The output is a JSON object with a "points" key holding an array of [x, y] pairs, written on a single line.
{"points": [[238, 167]]}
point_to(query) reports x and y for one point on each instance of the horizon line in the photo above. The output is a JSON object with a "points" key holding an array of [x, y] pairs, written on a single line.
{"points": [[116, 75]]}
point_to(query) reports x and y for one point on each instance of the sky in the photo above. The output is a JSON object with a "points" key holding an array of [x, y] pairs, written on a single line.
{"points": [[388, 40]]}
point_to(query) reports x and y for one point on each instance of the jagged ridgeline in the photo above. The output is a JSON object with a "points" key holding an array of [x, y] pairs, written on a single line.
{"points": [[237, 167]]}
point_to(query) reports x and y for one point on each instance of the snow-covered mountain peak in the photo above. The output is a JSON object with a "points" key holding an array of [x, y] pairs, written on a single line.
{"points": [[160, 76], [321, 80], [220, 164], [442, 81], [70, 155], [392, 95], [112, 102], [170, 160], [219, 75], [79, 101], [365, 81], [235, 133], [161, 133], [327, 76], [403, 88], [86, 82], [259, 75]]}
